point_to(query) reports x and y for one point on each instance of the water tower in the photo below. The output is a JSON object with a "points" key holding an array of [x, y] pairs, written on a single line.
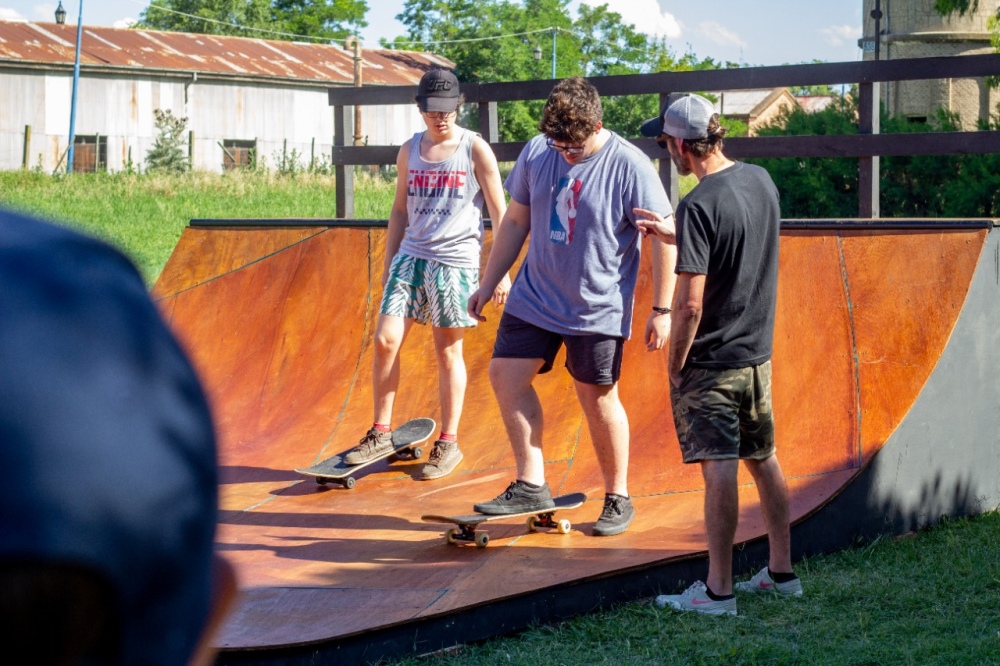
{"points": [[913, 29]]}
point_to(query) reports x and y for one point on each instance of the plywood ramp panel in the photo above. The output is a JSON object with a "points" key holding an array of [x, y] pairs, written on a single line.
{"points": [[280, 325]]}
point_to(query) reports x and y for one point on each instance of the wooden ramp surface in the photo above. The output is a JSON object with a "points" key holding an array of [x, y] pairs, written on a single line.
{"points": [[279, 322]]}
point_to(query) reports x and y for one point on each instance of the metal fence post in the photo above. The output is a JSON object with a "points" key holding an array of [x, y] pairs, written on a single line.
{"points": [[868, 167], [26, 156]]}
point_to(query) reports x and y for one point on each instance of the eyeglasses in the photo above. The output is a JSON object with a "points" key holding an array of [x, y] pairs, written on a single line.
{"points": [[569, 150], [439, 115], [661, 141]]}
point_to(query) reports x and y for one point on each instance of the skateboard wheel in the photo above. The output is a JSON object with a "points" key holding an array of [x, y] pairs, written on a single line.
{"points": [[532, 523], [564, 526], [449, 536], [417, 453], [482, 539], [349, 482], [321, 481]]}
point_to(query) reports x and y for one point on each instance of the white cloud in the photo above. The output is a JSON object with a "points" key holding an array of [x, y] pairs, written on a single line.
{"points": [[645, 15], [838, 35], [721, 35], [124, 23], [10, 15], [45, 11]]}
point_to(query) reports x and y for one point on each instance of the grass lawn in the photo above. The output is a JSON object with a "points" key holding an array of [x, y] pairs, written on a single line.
{"points": [[929, 598], [144, 215]]}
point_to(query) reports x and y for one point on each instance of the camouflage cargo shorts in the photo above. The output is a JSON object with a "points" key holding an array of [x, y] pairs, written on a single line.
{"points": [[724, 414], [429, 291]]}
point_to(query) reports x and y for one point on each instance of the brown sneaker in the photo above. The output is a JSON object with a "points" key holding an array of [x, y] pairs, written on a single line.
{"points": [[375, 443], [444, 457]]}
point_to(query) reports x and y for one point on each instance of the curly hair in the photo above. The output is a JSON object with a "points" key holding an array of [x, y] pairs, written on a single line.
{"points": [[572, 112], [714, 141]]}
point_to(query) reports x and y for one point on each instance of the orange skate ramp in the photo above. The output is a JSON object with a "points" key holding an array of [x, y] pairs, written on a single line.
{"points": [[885, 394]]}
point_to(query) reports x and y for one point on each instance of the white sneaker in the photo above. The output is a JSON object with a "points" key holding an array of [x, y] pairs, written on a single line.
{"points": [[696, 598], [762, 582]]}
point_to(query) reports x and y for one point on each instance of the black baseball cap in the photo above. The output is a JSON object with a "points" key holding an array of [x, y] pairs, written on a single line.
{"points": [[438, 91]]}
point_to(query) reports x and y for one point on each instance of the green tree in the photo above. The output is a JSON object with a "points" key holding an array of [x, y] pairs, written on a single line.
{"points": [[961, 7], [322, 19], [496, 40], [910, 186], [815, 187], [329, 19], [167, 154]]}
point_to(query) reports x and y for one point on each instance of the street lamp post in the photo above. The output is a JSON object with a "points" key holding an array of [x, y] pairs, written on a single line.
{"points": [[538, 51], [553, 50], [60, 14], [76, 85]]}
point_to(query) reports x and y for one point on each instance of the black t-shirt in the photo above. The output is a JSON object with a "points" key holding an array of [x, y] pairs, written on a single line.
{"points": [[727, 230]]}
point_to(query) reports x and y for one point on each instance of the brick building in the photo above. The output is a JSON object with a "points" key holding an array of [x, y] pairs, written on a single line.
{"points": [[913, 29]]}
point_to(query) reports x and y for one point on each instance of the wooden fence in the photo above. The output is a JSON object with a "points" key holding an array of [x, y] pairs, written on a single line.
{"points": [[867, 146]]}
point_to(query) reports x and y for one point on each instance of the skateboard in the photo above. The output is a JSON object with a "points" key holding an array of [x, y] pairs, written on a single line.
{"points": [[466, 525], [406, 440]]}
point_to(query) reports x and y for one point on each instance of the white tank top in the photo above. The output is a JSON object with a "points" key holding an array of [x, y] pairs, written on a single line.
{"points": [[444, 206]]}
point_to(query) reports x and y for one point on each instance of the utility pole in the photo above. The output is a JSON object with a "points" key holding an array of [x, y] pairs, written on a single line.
{"points": [[355, 42]]}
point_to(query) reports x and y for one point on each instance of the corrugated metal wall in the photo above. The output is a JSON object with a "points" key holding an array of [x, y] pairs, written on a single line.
{"points": [[121, 109], [230, 88]]}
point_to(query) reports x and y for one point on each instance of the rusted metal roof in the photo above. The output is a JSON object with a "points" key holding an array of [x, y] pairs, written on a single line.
{"points": [[52, 44]]}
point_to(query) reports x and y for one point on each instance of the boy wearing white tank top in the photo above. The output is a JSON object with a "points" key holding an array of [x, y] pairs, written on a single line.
{"points": [[432, 252]]}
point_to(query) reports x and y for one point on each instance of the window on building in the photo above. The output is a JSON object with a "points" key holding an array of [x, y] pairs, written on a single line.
{"points": [[238, 154], [90, 153]]}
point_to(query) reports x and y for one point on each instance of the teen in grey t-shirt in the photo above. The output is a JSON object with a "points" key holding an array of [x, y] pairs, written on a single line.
{"points": [[583, 261], [577, 190]]}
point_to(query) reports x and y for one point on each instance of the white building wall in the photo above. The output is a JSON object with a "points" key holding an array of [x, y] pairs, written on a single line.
{"points": [[121, 109]]}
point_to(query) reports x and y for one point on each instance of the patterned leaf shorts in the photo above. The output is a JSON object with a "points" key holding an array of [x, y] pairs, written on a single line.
{"points": [[428, 291]]}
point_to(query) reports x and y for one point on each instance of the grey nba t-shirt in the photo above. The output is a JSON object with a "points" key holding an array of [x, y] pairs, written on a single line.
{"points": [[580, 271]]}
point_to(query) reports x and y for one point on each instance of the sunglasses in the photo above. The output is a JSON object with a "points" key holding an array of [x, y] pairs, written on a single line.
{"points": [[661, 141], [569, 150], [439, 115]]}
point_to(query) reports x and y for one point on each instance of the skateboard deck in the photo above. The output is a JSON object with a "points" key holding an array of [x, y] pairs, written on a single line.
{"points": [[405, 439], [466, 525]]}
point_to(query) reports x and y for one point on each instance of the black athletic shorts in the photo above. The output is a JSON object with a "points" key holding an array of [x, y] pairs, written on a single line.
{"points": [[590, 358]]}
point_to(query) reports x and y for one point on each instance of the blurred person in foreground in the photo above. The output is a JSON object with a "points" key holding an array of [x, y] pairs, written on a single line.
{"points": [[108, 491]]}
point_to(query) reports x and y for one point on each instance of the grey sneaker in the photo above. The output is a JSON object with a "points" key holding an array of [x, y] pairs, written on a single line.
{"points": [[696, 598], [444, 457], [374, 444], [763, 582], [518, 498], [616, 517]]}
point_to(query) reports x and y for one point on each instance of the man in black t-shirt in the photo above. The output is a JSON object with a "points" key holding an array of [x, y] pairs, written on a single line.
{"points": [[720, 345]]}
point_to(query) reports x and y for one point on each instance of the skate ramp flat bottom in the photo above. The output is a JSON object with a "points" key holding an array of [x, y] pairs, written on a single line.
{"points": [[885, 395]]}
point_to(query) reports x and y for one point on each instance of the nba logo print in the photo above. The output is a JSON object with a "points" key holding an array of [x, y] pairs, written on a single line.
{"points": [[563, 219]]}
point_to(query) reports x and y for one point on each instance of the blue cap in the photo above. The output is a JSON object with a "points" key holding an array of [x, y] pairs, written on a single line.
{"points": [[107, 449]]}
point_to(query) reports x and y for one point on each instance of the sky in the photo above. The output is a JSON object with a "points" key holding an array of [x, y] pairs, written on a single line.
{"points": [[788, 32]]}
